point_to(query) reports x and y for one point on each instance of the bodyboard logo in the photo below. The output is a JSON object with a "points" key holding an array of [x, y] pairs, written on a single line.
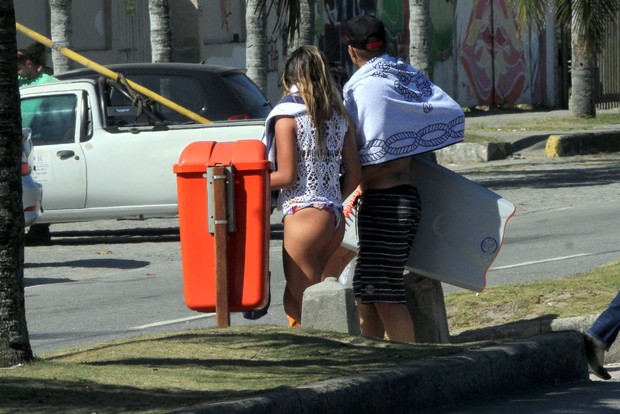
{"points": [[489, 245]]}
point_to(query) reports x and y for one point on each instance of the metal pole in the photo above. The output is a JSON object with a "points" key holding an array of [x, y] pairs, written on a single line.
{"points": [[110, 74], [221, 235]]}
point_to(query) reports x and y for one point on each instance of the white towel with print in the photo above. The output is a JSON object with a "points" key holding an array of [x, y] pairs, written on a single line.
{"points": [[399, 112], [290, 105]]}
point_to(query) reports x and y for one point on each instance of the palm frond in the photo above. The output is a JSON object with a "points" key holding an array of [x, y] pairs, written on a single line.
{"points": [[592, 19], [288, 14], [530, 13]]}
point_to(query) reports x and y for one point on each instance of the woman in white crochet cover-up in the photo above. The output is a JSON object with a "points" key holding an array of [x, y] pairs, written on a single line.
{"points": [[310, 137]]}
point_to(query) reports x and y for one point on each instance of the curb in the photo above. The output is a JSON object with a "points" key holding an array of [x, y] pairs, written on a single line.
{"points": [[582, 143], [524, 329], [564, 145], [430, 383]]}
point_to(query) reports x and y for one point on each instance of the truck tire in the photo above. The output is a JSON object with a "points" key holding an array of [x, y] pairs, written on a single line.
{"points": [[38, 234]]}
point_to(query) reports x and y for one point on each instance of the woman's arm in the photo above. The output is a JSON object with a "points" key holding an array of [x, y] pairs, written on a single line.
{"points": [[286, 153], [351, 160]]}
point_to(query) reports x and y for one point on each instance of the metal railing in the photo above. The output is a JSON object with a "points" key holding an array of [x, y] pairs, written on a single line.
{"points": [[607, 88]]}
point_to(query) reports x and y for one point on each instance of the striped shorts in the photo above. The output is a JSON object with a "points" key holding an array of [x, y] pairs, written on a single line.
{"points": [[387, 221]]}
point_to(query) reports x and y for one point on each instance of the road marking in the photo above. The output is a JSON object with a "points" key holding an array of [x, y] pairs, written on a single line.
{"points": [[170, 322], [553, 259]]}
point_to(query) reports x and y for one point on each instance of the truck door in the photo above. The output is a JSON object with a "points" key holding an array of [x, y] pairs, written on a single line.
{"points": [[59, 163]]}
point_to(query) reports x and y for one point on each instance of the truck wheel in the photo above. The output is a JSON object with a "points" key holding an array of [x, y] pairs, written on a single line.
{"points": [[38, 234]]}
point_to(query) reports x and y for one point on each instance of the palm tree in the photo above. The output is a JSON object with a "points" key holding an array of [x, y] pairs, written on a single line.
{"points": [[305, 35], [62, 30], [588, 22], [419, 35], [288, 14], [425, 299], [14, 341], [161, 31], [256, 43]]}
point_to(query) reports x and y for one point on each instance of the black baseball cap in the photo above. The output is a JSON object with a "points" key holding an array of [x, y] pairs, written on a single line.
{"points": [[365, 32]]}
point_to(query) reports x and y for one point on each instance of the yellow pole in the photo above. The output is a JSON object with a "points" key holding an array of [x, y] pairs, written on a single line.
{"points": [[110, 74]]}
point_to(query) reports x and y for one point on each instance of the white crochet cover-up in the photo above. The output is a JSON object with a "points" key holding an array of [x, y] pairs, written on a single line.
{"points": [[317, 174]]}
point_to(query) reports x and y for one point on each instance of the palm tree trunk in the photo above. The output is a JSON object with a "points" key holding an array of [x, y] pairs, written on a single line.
{"points": [[62, 30], [419, 36], [581, 102], [588, 21], [161, 31], [256, 43], [14, 341], [425, 299]]}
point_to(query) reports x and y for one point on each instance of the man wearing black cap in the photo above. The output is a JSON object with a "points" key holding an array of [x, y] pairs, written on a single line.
{"points": [[398, 113]]}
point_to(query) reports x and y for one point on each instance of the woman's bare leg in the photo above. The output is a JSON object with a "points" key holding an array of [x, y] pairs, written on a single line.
{"points": [[337, 262], [309, 241]]}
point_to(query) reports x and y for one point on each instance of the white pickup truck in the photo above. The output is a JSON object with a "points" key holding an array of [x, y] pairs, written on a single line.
{"points": [[98, 155]]}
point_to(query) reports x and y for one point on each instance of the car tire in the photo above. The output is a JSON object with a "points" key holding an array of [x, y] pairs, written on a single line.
{"points": [[38, 234]]}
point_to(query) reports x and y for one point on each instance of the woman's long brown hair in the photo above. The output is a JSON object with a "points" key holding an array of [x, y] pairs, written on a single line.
{"points": [[306, 67]]}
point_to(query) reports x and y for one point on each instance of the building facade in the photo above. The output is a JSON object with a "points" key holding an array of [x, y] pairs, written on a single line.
{"points": [[479, 56]]}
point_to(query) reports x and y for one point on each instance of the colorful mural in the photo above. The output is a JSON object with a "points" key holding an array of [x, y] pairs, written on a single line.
{"points": [[491, 54], [479, 57]]}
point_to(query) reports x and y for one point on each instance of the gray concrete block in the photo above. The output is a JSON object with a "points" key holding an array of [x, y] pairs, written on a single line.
{"points": [[473, 152], [425, 302], [330, 306]]}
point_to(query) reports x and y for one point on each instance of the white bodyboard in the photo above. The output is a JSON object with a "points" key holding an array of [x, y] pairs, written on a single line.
{"points": [[461, 227]]}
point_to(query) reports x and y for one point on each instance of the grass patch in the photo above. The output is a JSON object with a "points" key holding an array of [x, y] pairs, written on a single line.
{"points": [[168, 372], [583, 294], [156, 374], [565, 124]]}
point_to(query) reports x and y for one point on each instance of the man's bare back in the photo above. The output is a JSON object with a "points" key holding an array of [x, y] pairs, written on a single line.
{"points": [[386, 175]]}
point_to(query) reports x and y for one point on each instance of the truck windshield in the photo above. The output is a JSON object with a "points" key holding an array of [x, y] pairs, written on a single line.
{"points": [[249, 94]]}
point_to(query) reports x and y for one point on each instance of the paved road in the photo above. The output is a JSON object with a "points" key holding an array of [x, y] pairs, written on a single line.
{"points": [[106, 279]]}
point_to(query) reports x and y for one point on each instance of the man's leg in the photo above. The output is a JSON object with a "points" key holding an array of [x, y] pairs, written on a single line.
{"points": [[397, 321], [606, 327], [600, 336], [370, 321], [387, 223]]}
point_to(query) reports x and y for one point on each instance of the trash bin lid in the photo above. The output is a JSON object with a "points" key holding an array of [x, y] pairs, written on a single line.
{"points": [[249, 154]]}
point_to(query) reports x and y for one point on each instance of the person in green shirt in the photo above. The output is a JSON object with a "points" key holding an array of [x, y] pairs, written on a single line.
{"points": [[38, 53], [30, 73]]}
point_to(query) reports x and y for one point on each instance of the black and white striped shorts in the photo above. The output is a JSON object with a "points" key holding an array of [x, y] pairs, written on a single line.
{"points": [[387, 221]]}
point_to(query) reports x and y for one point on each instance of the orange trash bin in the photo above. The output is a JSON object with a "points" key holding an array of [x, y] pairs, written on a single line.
{"points": [[247, 240]]}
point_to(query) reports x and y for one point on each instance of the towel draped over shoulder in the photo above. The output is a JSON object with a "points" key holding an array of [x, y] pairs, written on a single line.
{"points": [[290, 105], [399, 112]]}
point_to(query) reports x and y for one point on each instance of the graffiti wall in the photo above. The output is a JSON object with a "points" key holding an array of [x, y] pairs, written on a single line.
{"points": [[479, 57]]}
